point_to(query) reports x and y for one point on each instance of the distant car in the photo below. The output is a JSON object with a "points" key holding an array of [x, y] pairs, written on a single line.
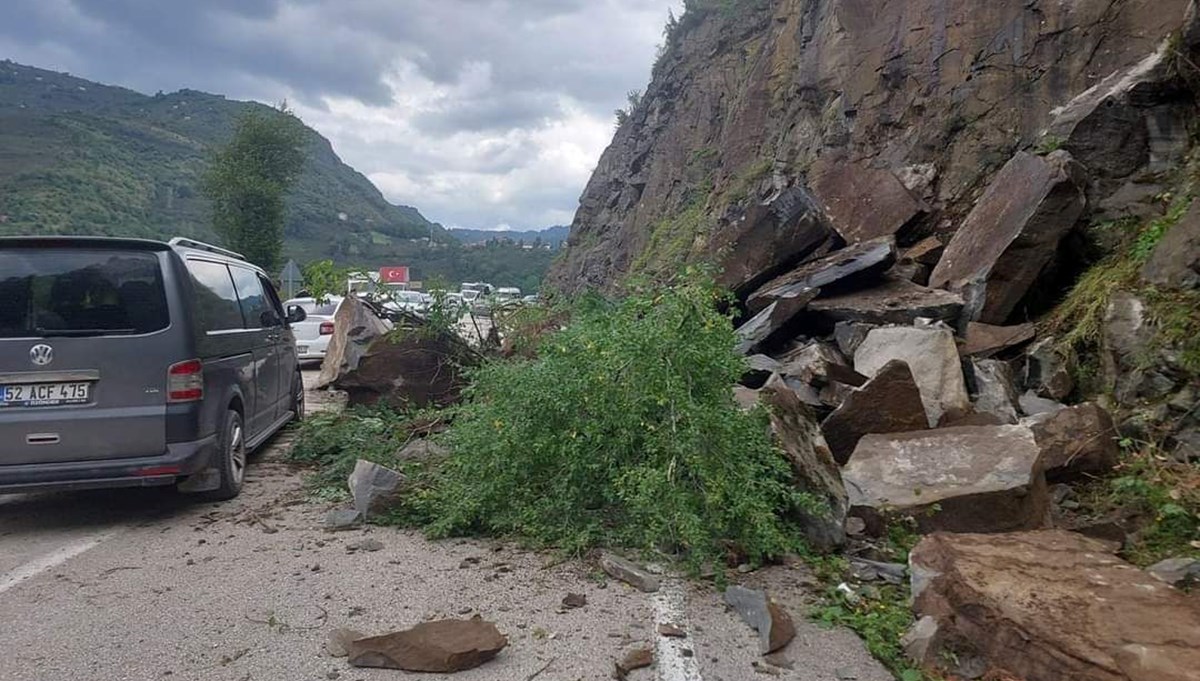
{"points": [[531, 299], [135, 363], [413, 302], [313, 334], [507, 295]]}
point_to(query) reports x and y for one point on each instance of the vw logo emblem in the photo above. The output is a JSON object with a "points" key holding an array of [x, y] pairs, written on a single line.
{"points": [[41, 355]]}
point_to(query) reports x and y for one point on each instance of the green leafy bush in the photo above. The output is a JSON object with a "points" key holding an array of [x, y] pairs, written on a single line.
{"points": [[331, 442], [622, 432]]}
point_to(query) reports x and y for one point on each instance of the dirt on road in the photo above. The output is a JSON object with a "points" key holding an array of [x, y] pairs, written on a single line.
{"points": [[147, 584]]}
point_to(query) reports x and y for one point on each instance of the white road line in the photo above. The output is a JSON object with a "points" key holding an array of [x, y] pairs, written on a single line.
{"points": [[672, 664], [53, 559]]}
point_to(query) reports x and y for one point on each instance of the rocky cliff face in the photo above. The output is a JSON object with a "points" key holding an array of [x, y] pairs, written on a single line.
{"points": [[870, 117]]}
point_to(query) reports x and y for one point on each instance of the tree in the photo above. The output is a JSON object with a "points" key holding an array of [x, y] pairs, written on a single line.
{"points": [[248, 179]]}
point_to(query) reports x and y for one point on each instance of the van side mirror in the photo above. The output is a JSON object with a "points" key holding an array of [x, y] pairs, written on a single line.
{"points": [[295, 314]]}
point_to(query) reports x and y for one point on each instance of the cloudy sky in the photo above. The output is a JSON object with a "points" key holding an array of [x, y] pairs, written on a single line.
{"points": [[482, 113]]}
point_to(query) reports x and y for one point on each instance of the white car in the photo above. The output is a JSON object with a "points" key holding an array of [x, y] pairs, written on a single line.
{"points": [[413, 302], [313, 334]]}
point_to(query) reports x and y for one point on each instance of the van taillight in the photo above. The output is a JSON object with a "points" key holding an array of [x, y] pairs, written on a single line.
{"points": [[185, 381], [326, 328]]}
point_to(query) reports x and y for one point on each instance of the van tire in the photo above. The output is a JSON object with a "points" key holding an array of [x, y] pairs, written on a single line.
{"points": [[232, 458], [298, 398]]}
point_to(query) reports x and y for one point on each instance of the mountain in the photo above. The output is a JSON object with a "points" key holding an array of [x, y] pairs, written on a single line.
{"points": [[882, 110], [555, 236], [79, 157]]}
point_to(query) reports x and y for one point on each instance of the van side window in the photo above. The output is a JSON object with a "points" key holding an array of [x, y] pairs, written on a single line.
{"points": [[256, 308], [273, 298], [216, 299]]}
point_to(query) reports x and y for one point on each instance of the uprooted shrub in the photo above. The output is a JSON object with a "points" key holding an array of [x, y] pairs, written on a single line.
{"points": [[622, 432]]}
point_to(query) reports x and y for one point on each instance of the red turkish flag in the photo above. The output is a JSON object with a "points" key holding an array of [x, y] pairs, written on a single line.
{"points": [[393, 275]]}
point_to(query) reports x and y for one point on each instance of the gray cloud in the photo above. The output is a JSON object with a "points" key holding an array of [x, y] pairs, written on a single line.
{"points": [[479, 112]]}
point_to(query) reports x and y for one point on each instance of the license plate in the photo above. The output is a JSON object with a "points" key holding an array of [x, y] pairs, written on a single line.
{"points": [[44, 394], [302, 349]]}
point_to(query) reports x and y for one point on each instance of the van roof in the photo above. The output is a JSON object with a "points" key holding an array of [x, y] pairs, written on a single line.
{"points": [[181, 245]]}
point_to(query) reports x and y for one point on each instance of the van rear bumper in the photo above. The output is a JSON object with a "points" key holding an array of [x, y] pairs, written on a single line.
{"points": [[180, 459]]}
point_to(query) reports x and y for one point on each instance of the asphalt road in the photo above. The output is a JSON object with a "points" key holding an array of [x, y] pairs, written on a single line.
{"points": [[146, 584]]}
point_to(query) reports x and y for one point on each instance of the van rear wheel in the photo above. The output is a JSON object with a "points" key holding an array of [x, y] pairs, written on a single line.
{"points": [[232, 460], [298, 398]]}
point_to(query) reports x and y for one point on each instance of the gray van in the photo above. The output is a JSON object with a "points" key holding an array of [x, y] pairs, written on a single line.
{"points": [[126, 362]]}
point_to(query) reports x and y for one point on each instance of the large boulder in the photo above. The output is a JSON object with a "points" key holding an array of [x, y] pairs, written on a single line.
{"points": [[853, 264], [985, 340], [1012, 234], [1175, 262], [443, 646], [1075, 441], [762, 327], [355, 327], [1053, 606], [373, 486], [963, 479], [931, 354], [888, 403], [815, 470], [894, 301], [412, 368], [993, 390], [863, 203]]}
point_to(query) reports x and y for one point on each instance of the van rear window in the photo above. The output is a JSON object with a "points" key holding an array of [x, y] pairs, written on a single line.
{"points": [[80, 292]]}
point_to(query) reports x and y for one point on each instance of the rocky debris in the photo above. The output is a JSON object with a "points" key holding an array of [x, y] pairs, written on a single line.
{"points": [[773, 624], [931, 355], [574, 600], [410, 368], [888, 403], [1053, 605], [355, 327], [342, 519], [870, 570], [629, 572], [862, 203], [1048, 370], [671, 631], [992, 390], [746, 398], [1175, 261], [963, 479], [927, 251], [850, 335], [373, 487], [759, 369], [337, 641], [921, 642], [368, 545], [638, 658], [440, 646], [1032, 405], [1176, 571], [812, 463], [910, 271], [423, 450], [1012, 234], [985, 340], [1075, 441], [817, 363], [774, 317], [858, 263], [1127, 336], [766, 239], [895, 301]]}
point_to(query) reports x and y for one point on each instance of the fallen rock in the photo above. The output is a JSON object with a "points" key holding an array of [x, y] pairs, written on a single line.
{"points": [[440, 646], [629, 572], [815, 362], [762, 326], [888, 403], [964, 479], [1075, 441], [816, 472], [767, 239], [1032, 405], [927, 251], [573, 600], [985, 340], [638, 658], [409, 369], [855, 263], [862, 203], [1012, 233], [773, 624], [921, 642], [355, 327], [1048, 370], [373, 486], [931, 355], [895, 301], [423, 450], [993, 391], [1053, 605], [746, 398], [368, 545], [671, 631], [850, 335], [1176, 571], [337, 641], [1175, 261], [342, 519]]}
